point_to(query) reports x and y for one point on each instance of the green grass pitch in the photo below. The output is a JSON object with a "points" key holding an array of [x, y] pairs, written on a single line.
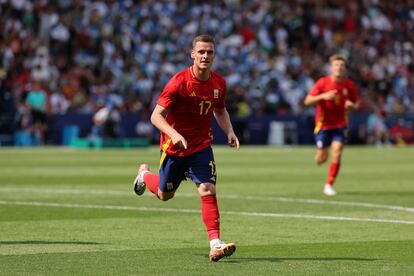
{"points": [[73, 212]]}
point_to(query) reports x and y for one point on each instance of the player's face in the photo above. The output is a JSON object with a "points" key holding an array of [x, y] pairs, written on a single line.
{"points": [[338, 68], [203, 55]]}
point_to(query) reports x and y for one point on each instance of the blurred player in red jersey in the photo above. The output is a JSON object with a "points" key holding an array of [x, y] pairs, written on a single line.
{"points": [[333, 95], [183, 115]]}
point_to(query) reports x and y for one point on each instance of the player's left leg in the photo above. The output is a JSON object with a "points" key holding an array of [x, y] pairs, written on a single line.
{"points": [[211, 218], [337, 146], [202, 171], [336, 153], [209, 209]]}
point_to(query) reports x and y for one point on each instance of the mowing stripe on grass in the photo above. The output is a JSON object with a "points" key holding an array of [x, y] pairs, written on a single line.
{"points": [[324, 202], [252, 214], [242, 197]]}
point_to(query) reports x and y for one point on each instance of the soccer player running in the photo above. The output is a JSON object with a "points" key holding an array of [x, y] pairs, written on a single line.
{"points": [[333, 95], [183, 115]]}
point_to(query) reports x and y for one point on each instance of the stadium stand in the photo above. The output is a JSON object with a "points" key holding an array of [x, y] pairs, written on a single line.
{"points": [[84, 53]]}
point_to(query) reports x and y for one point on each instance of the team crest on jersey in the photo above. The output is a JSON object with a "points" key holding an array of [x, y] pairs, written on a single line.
{"points": [[193, 94], [216, 93]]}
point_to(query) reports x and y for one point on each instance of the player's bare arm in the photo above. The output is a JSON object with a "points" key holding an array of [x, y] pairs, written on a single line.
{"points": [[223, 120], [159, 121], [312, 100]]}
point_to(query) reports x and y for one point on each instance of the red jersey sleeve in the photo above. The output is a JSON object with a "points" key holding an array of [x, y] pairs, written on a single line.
{"points": [[316, 89], [168, 95]]}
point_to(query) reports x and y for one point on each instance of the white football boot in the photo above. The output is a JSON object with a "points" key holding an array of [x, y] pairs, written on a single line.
{"points": [[139, 184], [220, 250], [329, 190]]}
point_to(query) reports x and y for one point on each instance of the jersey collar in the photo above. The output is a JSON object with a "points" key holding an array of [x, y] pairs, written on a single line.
{"points": [[195, 77]]}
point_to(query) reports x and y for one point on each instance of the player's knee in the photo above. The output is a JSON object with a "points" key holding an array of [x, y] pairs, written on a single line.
{"points": [[165, 196], [207, 189]]}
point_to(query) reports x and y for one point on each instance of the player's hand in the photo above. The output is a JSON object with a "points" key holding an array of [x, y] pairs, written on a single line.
{"points": [[233, 141], [179, 141], [330, 95], [351, 105]]}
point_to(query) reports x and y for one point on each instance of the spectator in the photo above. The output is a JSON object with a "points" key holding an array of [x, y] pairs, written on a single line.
{"points": [[23, 124], [377, 130], [144, 128], [90, 49], [107, 123], [36, 101]]}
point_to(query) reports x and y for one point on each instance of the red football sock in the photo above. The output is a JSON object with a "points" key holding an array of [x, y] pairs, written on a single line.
{"points": [[333, 172], [152, 181], [211, 216]]}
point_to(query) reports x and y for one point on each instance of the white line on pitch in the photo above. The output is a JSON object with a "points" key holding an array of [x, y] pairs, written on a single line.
{"points": [[251, 214], [242, 197]]}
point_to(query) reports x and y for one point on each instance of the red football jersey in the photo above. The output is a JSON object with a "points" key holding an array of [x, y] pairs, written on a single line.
{"points": [[332, 114], [191, 103]]}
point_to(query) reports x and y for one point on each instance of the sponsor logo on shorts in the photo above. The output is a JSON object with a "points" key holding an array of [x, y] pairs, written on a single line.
{"points": [[319, 144]]}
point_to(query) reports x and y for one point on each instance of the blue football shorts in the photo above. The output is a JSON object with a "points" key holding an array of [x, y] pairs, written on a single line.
{"points": [[199, 167], [325, 137]]}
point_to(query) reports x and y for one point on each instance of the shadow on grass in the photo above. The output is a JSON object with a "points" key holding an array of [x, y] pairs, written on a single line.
{"points": [[47, 242], [279, 260]]}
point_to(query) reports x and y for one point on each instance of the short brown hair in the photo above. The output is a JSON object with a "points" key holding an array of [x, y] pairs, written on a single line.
{"points": [[337, 57], [203, 38]]}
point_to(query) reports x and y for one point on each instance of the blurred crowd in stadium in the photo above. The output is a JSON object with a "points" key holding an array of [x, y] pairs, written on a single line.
{"points": [[81, 55]]}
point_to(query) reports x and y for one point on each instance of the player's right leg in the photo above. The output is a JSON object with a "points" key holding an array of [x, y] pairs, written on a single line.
{"points": [[321, 156], [145, 179], [172, 173], [164, 184], [139, 184], [322, 143]]}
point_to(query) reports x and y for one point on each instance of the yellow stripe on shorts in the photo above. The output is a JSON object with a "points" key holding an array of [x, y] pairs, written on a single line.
{"points": [[317, 127], [164, 150]]}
